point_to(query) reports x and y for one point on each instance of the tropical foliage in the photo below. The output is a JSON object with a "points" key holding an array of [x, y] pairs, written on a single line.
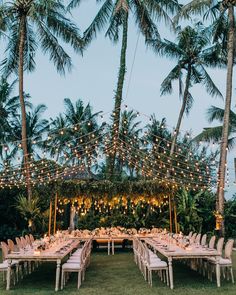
{"points": [[75, 153], [213, 134], [193, 52]]}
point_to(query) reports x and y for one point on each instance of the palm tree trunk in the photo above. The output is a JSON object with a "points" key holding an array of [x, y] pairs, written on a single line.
{"points": [[225, 133], [22, 102], [118, 98], [182, 110]]}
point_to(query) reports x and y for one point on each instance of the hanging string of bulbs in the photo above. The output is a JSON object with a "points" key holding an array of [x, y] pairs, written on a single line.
{"points": [[89, 147]]}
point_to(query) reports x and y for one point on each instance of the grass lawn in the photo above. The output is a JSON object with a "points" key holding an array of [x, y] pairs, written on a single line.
{"points": [[118, 275]]}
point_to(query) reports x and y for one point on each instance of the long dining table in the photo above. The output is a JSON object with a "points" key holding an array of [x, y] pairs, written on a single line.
{"points": [[56, 253], [173, 251]]}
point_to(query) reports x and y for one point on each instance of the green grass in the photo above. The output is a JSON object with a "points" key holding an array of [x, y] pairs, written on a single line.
{"points": [[118, 275]]}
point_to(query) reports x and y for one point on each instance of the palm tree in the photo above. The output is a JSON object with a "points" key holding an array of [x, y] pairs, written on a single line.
{"points": [[223, 25], [30, 23], [115, 15], [191, 52], [86, 130], [214, 134], [8, 106], [57, 145], [129, 131], [157, 134], [36, 126], [188, 211], [28, 209], [75, 132]]}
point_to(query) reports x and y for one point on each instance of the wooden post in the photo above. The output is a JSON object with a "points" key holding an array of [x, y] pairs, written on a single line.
{"points": [[50, 219], [175, 216], [55, 215], [170, 212]]}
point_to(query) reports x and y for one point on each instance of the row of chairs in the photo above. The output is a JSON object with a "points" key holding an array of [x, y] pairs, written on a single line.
{"points": [[78, 263], [18, 268], [148, 262], [207, 266]]}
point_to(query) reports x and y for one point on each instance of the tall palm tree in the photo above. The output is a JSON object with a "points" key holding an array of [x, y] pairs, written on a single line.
{"points": [[36, 126], [191, 52], [30, 23], [8, 106], [157, 133], [115, 14], [77, 127], [57, 145], [86, 131], [214, 134], [222, 13], [129, 131]]}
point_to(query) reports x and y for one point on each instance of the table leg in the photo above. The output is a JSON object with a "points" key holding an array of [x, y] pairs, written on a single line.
{"points": [[113, 247], [8, 274], [58, 271], [171, 272], [218, 271]]}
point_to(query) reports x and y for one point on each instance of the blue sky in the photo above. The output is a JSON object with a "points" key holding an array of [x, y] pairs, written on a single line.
{"points": [[94, 76]]}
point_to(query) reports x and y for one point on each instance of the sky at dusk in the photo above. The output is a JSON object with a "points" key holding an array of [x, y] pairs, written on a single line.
{"points": [[94, 77]]}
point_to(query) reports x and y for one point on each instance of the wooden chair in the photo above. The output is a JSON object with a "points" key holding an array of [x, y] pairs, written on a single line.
{"points": [[31, 238], [18, 243], [153, 264], [11, 245], [203, 240], [14, 263], [211, 260], [225, 262], [27, 239], [77, 264], [212, 242], [198, 239]]}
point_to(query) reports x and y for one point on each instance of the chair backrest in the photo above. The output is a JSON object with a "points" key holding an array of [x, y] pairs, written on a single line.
{"points": [[31, 238], [146, 254], [203, 240], [190, 235], [27, 238], [135, 244], [23, 242], [198, 239], [11, 245], [18, 243], [229, 248], [212, 242], [219, 246], [193, 238], [5, 250]]}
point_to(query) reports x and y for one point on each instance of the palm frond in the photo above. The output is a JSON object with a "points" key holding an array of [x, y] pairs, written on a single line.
{"points": [[99, 21], [189, 103], [194, 7], [211, 88], [165, 48], [144, 20], [50, 45], [210, 134], [166, 85], [73, 4]]}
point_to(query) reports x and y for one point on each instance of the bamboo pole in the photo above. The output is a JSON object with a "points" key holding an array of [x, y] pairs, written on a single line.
{"points": [[55, 215], [50, 219], [170, 212]]}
